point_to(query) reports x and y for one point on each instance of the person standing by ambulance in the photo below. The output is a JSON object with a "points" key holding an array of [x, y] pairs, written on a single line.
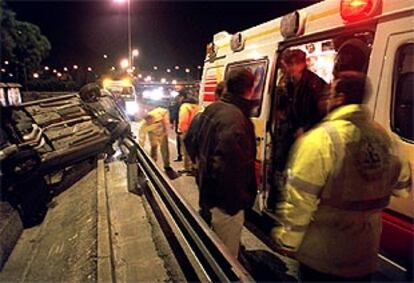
{"points": [[155, 125], [298, 105], [225, 148], [188, 110], [341, 174]]}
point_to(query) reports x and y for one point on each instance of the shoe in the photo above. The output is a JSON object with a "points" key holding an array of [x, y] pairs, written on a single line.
{"points": [[178, 159]]}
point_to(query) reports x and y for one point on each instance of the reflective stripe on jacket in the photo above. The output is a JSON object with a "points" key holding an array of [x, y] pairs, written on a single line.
{"points": [[157, 127], [340, 175]]}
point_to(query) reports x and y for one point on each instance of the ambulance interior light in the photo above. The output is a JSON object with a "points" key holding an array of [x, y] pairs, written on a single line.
{"points": [[353, 10]]}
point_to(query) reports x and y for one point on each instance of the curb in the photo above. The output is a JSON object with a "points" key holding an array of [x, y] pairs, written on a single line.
{"points": [[105, 267]]}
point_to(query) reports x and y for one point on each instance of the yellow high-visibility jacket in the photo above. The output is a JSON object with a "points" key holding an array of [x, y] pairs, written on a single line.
{"points": [[186, 115], [341, 175], [156, 128]]}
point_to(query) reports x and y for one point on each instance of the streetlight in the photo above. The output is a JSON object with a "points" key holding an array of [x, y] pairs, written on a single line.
{"points": [[35, 75], [129, 27], [168, 70], [75, 67], [46, 68], [6, 62], [177, 67], [65, 69], [155, 68], [124, 63], [89, 69]]}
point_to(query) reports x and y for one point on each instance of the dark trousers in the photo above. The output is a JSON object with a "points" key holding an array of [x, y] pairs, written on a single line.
{"points": [[307, 274], [178, 141]]}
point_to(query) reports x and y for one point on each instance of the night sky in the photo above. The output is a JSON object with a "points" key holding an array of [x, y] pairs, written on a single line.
{"points": [[167, 33]]}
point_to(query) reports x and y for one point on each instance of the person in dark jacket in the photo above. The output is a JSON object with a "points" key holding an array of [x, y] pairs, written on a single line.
{"points": [[190, 140], [225, 149], [174, 111], [298, 103]]}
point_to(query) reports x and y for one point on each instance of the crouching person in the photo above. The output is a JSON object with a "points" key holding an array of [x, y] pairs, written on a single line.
{"points": [[155, 125]]}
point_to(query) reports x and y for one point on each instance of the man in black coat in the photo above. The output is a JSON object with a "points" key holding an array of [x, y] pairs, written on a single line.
{"points": [[224, 146]]}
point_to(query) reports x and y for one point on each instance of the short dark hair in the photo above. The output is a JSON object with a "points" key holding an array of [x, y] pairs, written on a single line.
{"points": [[239, 81], [291, 56], [353, 85]]}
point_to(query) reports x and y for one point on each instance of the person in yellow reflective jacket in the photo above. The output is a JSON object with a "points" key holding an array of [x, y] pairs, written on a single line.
{"points": [[188, 110], [155, 125], [340, 175]]}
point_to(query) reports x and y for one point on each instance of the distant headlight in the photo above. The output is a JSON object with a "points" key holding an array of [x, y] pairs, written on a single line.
{"points": [[131, 107]]}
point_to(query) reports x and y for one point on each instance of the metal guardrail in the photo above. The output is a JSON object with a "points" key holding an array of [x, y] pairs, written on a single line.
{"points": [[210, 260]]}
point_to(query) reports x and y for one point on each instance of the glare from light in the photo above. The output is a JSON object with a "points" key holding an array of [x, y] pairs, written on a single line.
{"points": [[46, 68], [119, 1], [105, 56], [135, 53], [54, 71], [75, 67], [3, 70], [140, 76], [155, 68], [173, 93], [35, 75], [148, 79], [113, 68], [174, 82], [168, 70], [89, 69], [59, 75], [146, 94], [163, 80], [129, 70], [177, 67], [157, 94], [124, 63], [6, 62], [131, 107], [199, 67], [10, 75], [65, 69], [187, 70]]}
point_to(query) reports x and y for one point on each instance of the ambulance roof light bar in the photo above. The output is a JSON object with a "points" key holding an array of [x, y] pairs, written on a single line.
{"points": [[354, 10]]}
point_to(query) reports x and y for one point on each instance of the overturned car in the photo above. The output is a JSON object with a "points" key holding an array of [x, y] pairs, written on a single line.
{"points": [[40, 138]]}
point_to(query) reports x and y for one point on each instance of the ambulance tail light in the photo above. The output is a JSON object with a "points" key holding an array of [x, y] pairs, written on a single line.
{"points": [[354, 10]]}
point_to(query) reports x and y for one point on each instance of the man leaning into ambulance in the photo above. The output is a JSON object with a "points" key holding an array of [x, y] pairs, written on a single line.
{"points": [[341, 175]]}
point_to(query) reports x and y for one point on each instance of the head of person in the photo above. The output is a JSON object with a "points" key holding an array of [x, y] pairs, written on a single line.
{"points": [[352, 56], [294, 62], [149, 119], [220, 89], [349, 87], [240, 83]]}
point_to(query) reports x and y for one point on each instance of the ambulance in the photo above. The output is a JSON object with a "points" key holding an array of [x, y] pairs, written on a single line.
{"points": [[124, 94], [381, 32]]}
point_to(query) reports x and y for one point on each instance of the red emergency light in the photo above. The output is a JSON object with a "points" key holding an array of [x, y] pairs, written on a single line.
{"points": [[353, 10]]}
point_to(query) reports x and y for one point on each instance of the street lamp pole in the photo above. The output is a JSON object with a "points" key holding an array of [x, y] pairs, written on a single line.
{"points": [[129, 34]]}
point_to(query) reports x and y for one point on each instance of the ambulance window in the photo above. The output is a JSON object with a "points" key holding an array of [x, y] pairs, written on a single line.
{"points": [[403, 96], [258, 69]]}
